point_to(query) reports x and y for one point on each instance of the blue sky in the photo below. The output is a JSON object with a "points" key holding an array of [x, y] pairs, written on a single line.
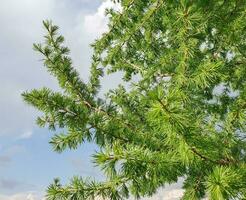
{"points": [[27, 162]]}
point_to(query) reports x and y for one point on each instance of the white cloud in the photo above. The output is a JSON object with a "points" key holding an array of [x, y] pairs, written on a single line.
{"points": [[23, 196], [96, 23], [26, 135], [174, 194], [167, 193]]}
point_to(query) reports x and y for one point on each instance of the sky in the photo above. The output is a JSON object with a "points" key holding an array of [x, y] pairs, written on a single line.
{"points": [[27, 163]]}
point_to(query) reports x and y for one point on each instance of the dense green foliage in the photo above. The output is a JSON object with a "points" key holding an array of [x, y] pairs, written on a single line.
{"points": [[184, 114]]}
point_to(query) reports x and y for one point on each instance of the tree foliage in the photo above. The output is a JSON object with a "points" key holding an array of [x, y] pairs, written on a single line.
{"points": [[183, 116]]}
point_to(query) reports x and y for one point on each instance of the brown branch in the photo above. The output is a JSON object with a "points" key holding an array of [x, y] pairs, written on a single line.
{"points": [[203, 157]]}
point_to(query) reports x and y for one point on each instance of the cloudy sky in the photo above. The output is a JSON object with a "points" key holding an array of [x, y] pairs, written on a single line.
{"points": [[27, 162]]}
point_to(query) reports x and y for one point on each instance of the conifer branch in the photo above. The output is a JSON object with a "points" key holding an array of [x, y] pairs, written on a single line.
{"points": [[158, 129]]}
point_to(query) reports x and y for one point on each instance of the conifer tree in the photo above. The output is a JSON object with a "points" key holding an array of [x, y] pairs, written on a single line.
{"points": [[183, 116]]}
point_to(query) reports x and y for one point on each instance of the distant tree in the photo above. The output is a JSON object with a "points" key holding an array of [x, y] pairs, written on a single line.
{"points": [[183, 116]]}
